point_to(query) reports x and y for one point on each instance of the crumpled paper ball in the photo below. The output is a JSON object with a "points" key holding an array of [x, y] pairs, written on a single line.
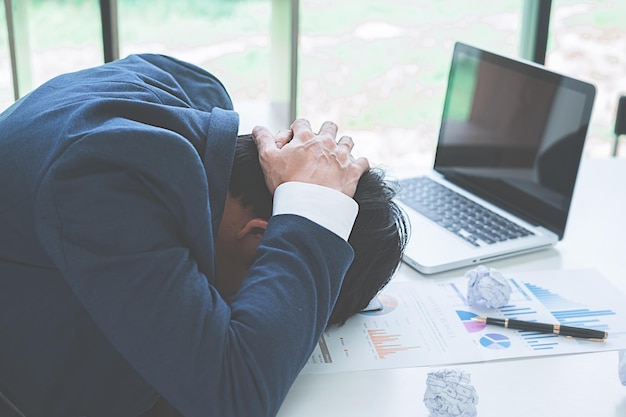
{"points": [[487, 287], [449, 393], [621, 368]]}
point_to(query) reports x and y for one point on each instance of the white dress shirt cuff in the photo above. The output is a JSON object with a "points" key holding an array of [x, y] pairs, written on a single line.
{"points": [[329, 208]]}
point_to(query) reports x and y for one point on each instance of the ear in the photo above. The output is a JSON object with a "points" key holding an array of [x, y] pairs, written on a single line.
{"points": [[249, 237], [253, 228]]}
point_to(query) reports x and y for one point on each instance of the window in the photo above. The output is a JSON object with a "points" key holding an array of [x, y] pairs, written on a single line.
{"points": [[230, 39], [6, 79], [51, 38], [380, 68], [588, 40]]}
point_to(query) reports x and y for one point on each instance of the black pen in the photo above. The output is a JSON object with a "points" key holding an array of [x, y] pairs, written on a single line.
{"points": [[531, 326]]}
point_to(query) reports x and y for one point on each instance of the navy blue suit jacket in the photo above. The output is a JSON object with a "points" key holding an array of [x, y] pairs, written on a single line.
{"points": [[112, 185]]}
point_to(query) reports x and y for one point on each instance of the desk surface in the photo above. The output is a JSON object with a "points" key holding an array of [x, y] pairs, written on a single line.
{"points": [[572, 385]]}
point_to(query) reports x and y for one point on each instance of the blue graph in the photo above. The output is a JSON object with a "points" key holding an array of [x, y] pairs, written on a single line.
{"points": [[495, 341], [540, 341], [513, 311], [535, 340], [519, 289], [567, 312], [552, 301]]}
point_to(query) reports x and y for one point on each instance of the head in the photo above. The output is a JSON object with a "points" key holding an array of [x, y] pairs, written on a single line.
{"points": [[378, 237], [247, 209]]}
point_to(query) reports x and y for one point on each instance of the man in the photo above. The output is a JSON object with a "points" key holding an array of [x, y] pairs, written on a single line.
{"points": [[118, 238], [378, 237]]}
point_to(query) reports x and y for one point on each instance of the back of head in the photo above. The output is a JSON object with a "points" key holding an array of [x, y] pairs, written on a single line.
{"points": [[247, 183], [378, 238]]}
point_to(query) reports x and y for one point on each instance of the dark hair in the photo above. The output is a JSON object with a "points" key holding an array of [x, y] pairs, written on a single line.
{"points": [[379, 235], [247, 183]]}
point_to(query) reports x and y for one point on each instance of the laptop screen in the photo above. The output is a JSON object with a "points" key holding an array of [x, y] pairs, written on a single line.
{"points": [[513, 132]]}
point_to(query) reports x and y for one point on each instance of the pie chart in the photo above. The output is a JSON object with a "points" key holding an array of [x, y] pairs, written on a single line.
{"points": [[495, 341], [470, 325]]}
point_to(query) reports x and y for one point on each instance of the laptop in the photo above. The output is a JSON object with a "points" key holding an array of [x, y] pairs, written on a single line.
{"points": [[509, 148]]}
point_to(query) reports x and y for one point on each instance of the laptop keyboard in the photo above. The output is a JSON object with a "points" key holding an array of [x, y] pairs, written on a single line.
{"points": [[456, 213]]}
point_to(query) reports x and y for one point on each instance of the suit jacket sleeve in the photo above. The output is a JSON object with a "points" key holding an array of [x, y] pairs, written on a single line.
{"points": [[126, 222]]}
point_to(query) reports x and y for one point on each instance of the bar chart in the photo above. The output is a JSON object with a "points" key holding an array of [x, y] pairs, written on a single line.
{"points": [[386, 344], [570, 313], [430, 322], [529, 302]]}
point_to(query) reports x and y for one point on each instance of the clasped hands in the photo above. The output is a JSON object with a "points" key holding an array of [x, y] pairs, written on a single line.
{"points": [[301, 155]]}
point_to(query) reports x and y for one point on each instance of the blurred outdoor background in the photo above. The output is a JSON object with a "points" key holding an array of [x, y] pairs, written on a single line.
{"points": [[377, 68]]}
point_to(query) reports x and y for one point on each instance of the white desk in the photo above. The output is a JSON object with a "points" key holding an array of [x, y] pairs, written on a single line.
{"points": [[573, 385]]}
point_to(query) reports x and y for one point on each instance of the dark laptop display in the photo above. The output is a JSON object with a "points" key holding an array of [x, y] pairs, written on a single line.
{"points": [[520, 154], [510, 143]]}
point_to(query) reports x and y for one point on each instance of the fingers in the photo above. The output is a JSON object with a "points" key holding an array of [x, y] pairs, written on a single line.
{"points": [[301, 129], [263, 138], [347, 142], [363, 164], [330, 129], [301, 155], [283, 137]]}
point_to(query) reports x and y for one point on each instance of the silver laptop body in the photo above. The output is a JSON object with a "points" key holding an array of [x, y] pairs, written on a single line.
{"points": [[511, 139]]}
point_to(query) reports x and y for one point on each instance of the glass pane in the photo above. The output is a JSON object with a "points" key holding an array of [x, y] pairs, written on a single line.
{"points": [[379, 69], [228, 38], [6, 79], [62, 36], [588, 41]]}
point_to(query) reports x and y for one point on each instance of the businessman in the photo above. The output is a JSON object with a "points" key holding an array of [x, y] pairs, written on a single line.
{"points": [[133, 273]]}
